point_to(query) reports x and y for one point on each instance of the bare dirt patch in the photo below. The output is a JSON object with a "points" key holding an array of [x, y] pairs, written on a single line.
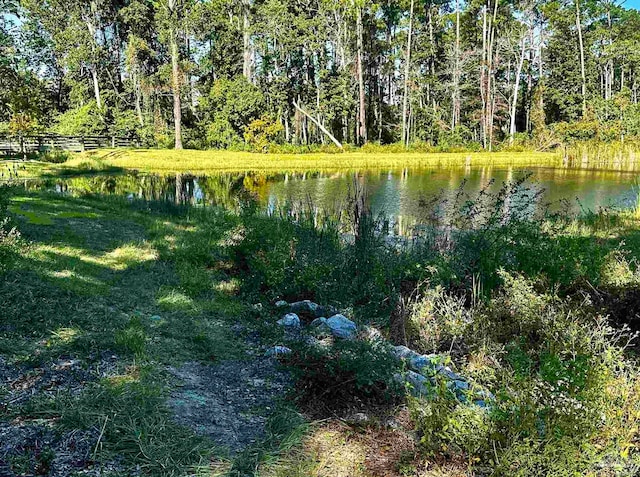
{"points": [[229, 402]]}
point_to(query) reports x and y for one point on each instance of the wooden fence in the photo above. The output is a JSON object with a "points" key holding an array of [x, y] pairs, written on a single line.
{"points": [[42, 143]]}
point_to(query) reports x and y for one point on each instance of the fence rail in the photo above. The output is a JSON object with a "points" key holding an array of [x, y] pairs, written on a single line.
{"points": [[51, 142]]}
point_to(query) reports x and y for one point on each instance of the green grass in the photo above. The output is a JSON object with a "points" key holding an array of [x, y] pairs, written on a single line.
{"points": [[171, 161], [98, 278]]}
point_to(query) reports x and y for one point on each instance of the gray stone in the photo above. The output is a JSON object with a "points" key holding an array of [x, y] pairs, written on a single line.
{"points": [[461, 385], [342, 327], [449, 373], [290, 320], [402, 352], [419, 362], [320, 327], [420, 385], [485, 395], [281, 303], [278, 351], [318, 322], [370, 333], [304, 307]]}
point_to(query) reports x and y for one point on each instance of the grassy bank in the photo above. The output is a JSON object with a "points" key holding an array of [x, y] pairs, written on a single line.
{"points": [[167, 161], [116, 314], [170, 161]]}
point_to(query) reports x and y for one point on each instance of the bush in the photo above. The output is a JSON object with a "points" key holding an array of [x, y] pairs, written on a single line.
{"points": [[85, 120], [437, 320], [260, 133], [446, 425], [562, 382], [336, 375]]}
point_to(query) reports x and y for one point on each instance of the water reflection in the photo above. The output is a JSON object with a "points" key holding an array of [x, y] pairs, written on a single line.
{"points": [[402, 196]]}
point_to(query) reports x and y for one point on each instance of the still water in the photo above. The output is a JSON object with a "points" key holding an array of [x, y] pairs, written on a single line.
{"points": [[401, 196]]}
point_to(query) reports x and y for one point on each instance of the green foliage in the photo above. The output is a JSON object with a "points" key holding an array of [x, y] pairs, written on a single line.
{"points": [[230, 106], [54, 157], [436, 320], [9, 236], [260, 133], [446, 425], [560, 379], [348, 369], [221, 135], [85, 120]]}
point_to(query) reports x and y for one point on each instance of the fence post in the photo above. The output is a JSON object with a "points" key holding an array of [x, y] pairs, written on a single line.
{"points": [[81, 143], [113, 142]]}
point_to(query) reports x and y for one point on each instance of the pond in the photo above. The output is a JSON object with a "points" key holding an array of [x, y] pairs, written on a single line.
{"points": [[404, 197]]}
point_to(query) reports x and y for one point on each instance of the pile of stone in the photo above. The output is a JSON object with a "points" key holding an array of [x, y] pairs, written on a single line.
{"points": [[422, 373]]}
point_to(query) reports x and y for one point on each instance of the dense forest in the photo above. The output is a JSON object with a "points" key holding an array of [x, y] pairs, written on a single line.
{"points": [[245, 74]]}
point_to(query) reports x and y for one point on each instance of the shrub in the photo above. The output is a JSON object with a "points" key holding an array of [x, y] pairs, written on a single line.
{"points": [[82, 121], [562, 384], [260, 133], [336, 375], [446, 425], [437, 320], [56, 157]]}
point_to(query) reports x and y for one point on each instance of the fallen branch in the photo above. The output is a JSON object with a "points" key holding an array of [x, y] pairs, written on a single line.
{"points": [[317, 123]]}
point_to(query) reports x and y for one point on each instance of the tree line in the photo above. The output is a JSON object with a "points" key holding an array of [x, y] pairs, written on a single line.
{"points": [[251, 73]]}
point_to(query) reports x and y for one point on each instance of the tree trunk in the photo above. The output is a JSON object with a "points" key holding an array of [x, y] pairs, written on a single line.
{"points": [[96, 85], [362, 114], [483, 79], [582, 68], [516, 88], [455, 94], [94, 67], [246, 42], [137, 86], [175, 81], [407, 72]]}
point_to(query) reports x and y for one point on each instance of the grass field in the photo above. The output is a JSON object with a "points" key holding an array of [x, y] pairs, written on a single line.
{"points": [[171, 161], [168, 161]]}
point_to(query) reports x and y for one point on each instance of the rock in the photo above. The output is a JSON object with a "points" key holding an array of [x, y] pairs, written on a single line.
{"points": [[320, 326], [326, 310], [402, 352], [448, 373], [281, 303], [419, 362], [304, 307], [278, 351], [420, 385], [257, 306], [461, 385], [359, 418], [370, 333], [342, 327], [318, 322], [156, 318], [290, 320], [485, 395]]}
